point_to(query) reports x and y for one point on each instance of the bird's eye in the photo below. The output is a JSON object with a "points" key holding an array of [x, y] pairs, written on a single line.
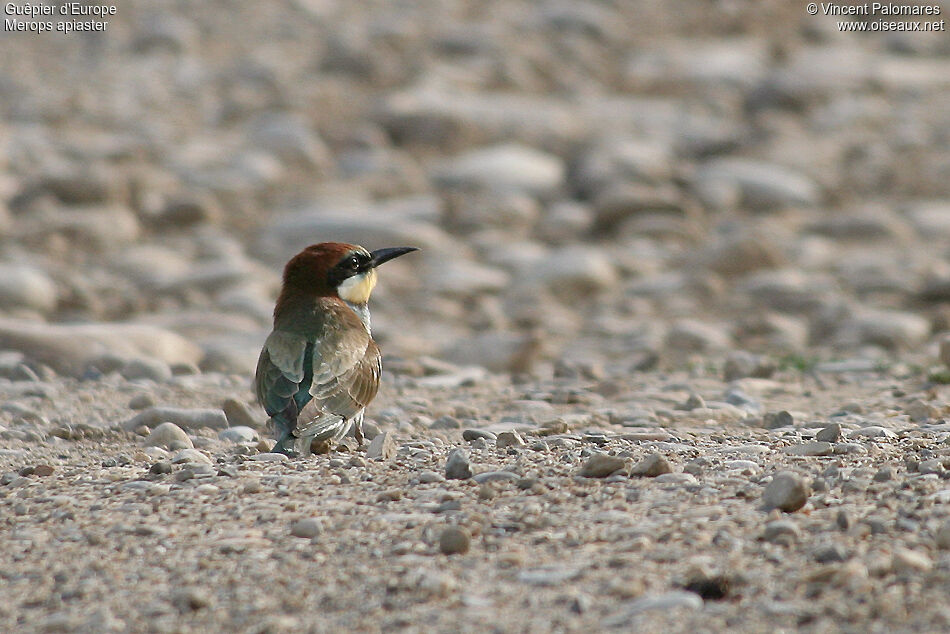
{"points": [[354, 262]]}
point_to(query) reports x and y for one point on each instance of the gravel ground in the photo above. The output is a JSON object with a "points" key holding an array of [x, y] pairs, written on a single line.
{"points": [[674, 355]]}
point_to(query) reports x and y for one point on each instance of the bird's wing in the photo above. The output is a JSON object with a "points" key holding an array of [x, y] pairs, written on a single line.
{"points": [[280, 369], [340, 395]]}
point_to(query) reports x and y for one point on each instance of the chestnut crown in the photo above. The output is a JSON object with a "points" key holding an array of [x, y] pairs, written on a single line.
{"points": [[337, 268]]}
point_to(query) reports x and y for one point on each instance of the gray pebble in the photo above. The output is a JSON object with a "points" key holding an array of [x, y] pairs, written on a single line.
{"points": [[810, 449], [151, 369], [169, 436], [496, 476], [474, 434], [676, 599], [454, 540], [930, 466], [872, 431], [829, 553], [885, 474], [509, 439], [306, 528], [161, 467], [270, 457], [652, 466], [238, 414], [190, 456], [429, 477], [743, 401], [943, 535], [238, 434], [23, 286], [601, 465], [904, 560], [446, 422], [829, 433], [382, 447], [141, 401], [774, 420], [781, 531], [184, 418], [787, 491], [506, 168], [457, 466]]}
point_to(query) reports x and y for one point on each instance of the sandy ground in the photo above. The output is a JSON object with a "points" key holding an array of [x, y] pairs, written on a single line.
{"points": [[672, 357]]}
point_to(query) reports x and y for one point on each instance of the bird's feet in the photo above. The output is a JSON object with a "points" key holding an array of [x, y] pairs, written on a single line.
{"points": [[286, 446]]}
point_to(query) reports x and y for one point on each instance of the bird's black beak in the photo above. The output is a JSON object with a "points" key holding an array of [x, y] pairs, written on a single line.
{"points": [[385, 255]]}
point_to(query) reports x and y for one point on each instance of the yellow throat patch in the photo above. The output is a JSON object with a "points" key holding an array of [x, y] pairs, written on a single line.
{"points": [[357, 289]]}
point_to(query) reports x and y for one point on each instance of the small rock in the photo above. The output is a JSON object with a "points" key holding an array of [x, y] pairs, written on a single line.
{"points": [[161, 467], [141, 401], [270, 457], [151, 369], [307, 528], [474, 434], [908, 561], [943, 535], [574, 271], [761, 186], [454, 540], [810, 449], [601, 465], [496, 476], [191, 599], [457, 466], [774, 420], [493, 350], [873, 431], [664, 603], [740, 364], [843, 520], [652, 466], [784, 532], [787, 491], [169, 436], [695, 401], [432, 583], [23, 286], [290, 138], [945, 350], [446, 422], [890, 329], [185, 418], [692, 335], [920, 411], [827, 553], [43, 470], [428, 477], [70, 348], [506, 168], [382, 447], [238, 434], [190, 456], [678, 479], [509, 439], [238, 414], [885, 474], [392, 495], [829, 433], [933, 465]]}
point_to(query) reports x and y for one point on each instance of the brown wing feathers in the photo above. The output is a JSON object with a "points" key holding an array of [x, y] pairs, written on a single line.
{"points": [[345, 395]]}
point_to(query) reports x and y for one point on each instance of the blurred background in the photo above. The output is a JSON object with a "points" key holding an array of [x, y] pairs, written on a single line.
{"points": [[600, 184]]}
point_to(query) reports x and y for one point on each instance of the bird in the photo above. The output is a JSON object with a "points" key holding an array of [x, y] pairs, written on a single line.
{"points": [[319, 367]]}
